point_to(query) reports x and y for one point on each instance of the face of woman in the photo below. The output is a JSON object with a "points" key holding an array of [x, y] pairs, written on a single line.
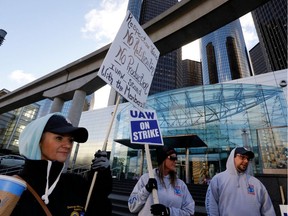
{"points": [[55, 147], [170, 163]]}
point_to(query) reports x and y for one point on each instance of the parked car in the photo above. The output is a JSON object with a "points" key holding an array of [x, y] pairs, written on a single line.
{"points": [[11, 160]]}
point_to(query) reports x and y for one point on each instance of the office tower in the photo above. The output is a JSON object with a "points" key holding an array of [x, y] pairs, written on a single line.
{"points": [[134, 6], [271, 25], [258, 60], [224, 54], [168, 74], [192, 73]]}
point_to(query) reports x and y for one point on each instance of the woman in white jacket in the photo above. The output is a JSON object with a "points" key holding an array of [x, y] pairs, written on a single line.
{"points": [[174, 196]]}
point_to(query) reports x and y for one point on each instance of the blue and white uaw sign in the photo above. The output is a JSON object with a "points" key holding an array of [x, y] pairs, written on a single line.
{"points": [[144, 127]]}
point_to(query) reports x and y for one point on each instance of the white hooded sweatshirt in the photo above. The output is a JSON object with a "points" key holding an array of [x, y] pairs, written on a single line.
{"points": [[178, 199], [238, 194]]}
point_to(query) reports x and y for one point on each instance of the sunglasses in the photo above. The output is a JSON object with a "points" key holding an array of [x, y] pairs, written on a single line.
{"points": [[243, 157], [172, 158]]}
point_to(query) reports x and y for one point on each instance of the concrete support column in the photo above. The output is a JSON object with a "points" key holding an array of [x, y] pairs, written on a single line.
{"points": [[57, 105], [74, 115], [112, 97], [76, 107]]}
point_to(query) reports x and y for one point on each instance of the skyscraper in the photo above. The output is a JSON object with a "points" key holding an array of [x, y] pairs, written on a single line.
{"points": [[168, 74], [257, 59], [192, 73], [271, 25], [224, 54], [134, 6]]}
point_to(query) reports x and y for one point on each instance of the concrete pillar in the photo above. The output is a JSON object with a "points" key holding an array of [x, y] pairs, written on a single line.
{"points": [[57, 105], [112, 97], [74, 115], [76, 107], [75, 156]]}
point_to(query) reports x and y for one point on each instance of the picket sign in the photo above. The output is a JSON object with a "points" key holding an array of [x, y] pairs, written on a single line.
{"points": [[284, 210], [144, 127], [129, 67], [151, 174], [103, 149], [145, 130]]}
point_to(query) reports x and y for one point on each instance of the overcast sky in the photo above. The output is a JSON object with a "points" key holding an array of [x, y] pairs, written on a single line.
{"points": [[43, 36]]}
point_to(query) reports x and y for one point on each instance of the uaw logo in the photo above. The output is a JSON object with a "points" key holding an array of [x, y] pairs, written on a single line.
{"points": [[251, 189], [177, 191]]}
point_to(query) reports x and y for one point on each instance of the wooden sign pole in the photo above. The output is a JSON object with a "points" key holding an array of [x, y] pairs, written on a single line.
{"points": [[103, 149], [151, 174]]}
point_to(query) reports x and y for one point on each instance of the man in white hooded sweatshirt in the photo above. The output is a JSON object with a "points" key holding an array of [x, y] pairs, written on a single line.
{"points": [[236, 193]]}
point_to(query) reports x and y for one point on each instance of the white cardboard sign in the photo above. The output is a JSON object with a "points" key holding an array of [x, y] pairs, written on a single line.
{"points": [[130, 63]]}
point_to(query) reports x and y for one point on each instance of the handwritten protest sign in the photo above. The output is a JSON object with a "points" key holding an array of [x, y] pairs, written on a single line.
{"points": [[130, 63], [144, 127]]}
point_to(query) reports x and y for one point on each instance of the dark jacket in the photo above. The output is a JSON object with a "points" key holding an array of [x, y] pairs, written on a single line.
{"points": [[69, 195]]}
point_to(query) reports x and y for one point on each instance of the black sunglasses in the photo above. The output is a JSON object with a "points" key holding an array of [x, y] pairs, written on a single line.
{"points": [[172, 158]]}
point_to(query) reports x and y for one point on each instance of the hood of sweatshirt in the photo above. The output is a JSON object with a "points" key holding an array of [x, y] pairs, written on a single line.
{"points": [[29, 139], [231, 166]]}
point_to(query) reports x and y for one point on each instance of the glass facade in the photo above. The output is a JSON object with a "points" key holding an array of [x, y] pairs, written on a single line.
{"points": [[97, 123], [224, 54], [273, 149], [218, 114], [15, 124]]}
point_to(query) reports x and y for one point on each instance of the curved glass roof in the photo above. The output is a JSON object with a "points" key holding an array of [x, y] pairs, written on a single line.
{"points": [[217, 113]]}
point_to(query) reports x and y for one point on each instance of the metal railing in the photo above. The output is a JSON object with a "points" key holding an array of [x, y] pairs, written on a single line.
{"points": [[10, 170]]}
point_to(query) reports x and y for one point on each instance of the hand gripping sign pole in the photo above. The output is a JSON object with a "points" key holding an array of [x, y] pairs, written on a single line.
{"points": [[151, 174], [103, 149]]}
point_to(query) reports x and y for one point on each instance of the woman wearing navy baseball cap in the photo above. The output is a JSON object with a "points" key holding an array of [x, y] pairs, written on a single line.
{"points": [[46, 144]]}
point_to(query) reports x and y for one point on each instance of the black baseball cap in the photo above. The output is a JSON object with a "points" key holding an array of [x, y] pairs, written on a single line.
{"points": [[163, 152], [58, 124], [244, 151]]}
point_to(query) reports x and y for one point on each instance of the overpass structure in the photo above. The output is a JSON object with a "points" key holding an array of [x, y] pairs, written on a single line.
{"points": [[183, 23]]}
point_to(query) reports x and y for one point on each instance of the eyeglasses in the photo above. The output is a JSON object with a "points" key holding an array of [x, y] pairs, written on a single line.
{"points": [[243, 157], [172, 158]]}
